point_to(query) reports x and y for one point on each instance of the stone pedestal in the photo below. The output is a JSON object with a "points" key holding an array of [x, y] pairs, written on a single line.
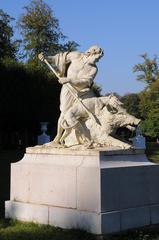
{"points": [[97, 190]]}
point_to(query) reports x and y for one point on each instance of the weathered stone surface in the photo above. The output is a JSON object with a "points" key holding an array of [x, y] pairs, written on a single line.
{"points": [[27, 212], [72, 218], [98, 191]]}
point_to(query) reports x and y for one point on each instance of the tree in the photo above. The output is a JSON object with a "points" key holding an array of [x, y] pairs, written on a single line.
{"points": [[41, 32], [131, 103], [27, 96], [149, 109], [148, 104], [150, 126], [8, 47], [70, 46], [149, 99], [148, 70]]}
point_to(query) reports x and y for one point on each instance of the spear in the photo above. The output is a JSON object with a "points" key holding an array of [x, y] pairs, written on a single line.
{"points": [[73, 91]]}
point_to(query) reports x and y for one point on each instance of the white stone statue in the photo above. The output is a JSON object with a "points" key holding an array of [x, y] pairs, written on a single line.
{"points": [[85, 119], [109, 115]]}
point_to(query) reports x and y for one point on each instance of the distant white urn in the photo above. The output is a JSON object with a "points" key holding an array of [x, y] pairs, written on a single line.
{"points": [[139, 139], [43, 138]]}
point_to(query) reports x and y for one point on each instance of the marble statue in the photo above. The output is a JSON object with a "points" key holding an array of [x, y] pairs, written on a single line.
{"points": [[110, 115], [86, 120]]}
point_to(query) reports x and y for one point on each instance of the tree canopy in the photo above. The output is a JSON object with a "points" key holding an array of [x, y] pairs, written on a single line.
{"points": [[41, 31], [148, 70], [131, 103], [149, 109], [8, 47]]}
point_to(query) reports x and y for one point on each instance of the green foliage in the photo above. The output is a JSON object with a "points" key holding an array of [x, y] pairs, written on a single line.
{"points": [[150, 126], [15, 230], [148, 70], [27, 94], [149, 98], [40, 29], [149, 109], [152, 151], [8, 47], [131, 103], [41, 32], [69, 46]]}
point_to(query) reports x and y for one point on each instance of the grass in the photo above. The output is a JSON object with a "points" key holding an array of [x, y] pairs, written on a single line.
{"points": [[16, 230], [152, 151]]}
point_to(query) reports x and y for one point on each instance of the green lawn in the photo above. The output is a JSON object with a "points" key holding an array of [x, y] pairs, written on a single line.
{"points": [[152, 151], [16, 230]]}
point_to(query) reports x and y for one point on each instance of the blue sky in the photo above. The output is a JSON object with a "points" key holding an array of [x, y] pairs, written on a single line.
{"points": [[123, 28]]}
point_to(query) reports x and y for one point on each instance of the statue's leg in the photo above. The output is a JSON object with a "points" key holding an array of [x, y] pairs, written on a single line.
{"points": [[59, 130], [78, 137], [82, 135], [64, 136]]}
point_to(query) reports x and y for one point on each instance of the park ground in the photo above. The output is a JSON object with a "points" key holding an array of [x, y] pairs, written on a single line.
{"points": [[15, 230], [152, 152]]}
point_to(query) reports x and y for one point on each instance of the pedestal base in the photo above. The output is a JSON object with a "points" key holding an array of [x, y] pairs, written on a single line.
{"points": [[98, 191], [97, 223]]}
